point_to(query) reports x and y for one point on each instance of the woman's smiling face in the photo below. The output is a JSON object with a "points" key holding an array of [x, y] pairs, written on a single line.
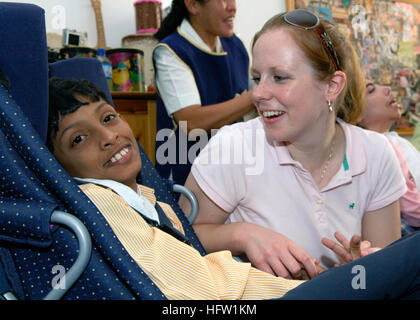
{"points": [[94, 142], [288, 96]]}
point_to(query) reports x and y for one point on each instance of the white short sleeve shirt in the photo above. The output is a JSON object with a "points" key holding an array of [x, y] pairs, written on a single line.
{"points": [[174, 80], [262, 184]]}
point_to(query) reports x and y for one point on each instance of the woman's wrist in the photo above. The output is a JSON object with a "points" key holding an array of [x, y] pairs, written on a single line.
{"points": [[240, 236]]}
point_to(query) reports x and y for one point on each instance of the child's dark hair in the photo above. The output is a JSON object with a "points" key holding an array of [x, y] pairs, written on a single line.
{"points": [[62, 101]]}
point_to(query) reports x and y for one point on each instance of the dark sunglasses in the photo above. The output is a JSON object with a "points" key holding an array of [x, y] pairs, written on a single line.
{"points": [[306, 20]]}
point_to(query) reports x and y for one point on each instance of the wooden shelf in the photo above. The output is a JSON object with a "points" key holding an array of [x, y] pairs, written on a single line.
{"points": [[139, 110], [134, 95]]}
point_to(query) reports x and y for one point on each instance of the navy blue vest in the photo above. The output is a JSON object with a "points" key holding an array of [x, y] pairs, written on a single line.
{"points": [[219, 77]]}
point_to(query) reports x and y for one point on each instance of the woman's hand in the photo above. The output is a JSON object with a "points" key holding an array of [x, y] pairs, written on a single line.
{"points": [[274, 253], [349, 250]]}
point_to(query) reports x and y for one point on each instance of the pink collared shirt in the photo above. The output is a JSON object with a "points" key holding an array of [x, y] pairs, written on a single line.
{"points": [[271, 189]]}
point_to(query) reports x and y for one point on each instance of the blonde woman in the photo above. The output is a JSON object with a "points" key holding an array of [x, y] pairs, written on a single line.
{"points": [[321, 174]]}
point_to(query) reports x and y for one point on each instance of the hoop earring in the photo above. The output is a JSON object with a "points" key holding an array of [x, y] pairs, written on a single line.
{"points": [[330, 104]]}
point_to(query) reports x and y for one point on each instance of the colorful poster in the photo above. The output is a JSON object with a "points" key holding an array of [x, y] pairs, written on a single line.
{"points": [[386, 35]]}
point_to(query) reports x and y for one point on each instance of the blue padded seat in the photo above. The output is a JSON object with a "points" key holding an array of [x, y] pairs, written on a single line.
{"points": [[81, 68], [33, 184], [24, 57], [39, 186]]}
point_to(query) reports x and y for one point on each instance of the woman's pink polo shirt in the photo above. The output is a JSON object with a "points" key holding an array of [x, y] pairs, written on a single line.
{"points": [[260, 183]]}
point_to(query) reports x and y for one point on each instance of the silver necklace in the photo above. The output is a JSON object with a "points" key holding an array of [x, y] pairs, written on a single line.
{"points": [[330, 155]]}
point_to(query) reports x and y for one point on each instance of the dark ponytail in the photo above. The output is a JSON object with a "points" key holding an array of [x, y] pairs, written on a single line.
{"points": [[174, 18]]}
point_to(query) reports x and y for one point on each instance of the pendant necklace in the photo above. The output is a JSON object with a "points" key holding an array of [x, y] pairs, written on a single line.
{"points": [[330, 155]]}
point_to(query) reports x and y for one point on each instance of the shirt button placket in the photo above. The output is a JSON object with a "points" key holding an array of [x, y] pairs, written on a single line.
{"points": [[321, 214]]}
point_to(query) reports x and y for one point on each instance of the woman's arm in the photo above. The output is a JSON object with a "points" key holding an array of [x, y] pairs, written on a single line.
{"points": [[267, 250], [383, 226], [209, 224], [217, 115], [178, 90]]}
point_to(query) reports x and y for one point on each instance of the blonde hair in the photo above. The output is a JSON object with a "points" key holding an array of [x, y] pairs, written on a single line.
{"points": [[349, 104]]}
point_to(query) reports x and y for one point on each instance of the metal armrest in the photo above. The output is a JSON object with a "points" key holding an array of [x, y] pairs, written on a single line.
{"points": [[85, 251], [191, 197], [9, 296]]}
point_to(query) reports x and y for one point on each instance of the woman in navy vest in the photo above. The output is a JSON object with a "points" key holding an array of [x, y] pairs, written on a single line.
{"points": [[202, 72]]}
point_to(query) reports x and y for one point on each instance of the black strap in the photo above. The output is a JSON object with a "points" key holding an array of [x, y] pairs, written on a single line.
{"points": [[164, 224], [167, 226]]}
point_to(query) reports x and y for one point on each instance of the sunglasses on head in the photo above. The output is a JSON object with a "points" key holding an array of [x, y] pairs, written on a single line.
{"points": [[306, 20]]}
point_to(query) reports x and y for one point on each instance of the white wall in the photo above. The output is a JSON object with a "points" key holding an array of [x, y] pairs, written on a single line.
{"points": [[119, 17], [252, 14]]}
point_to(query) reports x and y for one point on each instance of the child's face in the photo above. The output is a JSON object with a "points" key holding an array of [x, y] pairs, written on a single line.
{"points": [[94, 142]]}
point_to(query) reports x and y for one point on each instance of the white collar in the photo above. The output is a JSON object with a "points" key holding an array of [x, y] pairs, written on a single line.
{"points": [[187, 29], [134, 200]]}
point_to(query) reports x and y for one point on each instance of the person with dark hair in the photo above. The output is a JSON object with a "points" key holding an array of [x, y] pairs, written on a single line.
{"points": [[202, 77], [97, 147], [380, 113], [315, 176], [63, 100]]}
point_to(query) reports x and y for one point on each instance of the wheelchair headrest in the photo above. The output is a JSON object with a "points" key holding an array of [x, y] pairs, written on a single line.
{"points": [[24, 59], [81, 68]]}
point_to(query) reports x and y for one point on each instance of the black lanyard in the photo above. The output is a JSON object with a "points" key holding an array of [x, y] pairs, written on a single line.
{"points": [[165, 224]]}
